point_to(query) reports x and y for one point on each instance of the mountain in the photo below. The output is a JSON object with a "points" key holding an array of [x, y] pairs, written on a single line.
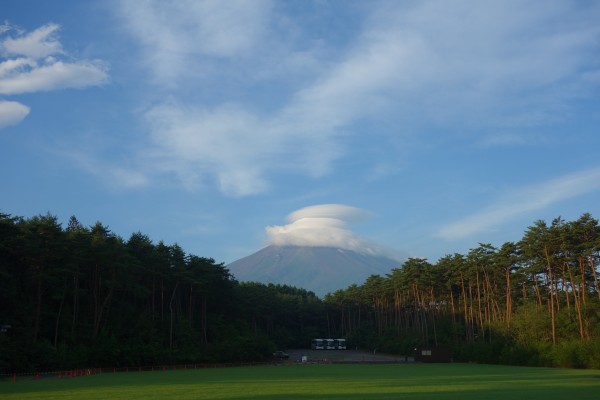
{"points": [[319, 269]]}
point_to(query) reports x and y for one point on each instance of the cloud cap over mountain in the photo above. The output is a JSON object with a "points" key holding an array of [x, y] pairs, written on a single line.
{"points": [[326, 225]]}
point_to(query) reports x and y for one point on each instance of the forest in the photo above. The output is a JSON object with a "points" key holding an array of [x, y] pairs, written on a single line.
{"points": [[79, 296]]}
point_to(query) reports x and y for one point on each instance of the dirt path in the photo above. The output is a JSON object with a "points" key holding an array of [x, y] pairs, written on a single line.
{"points": [[344, 356]]}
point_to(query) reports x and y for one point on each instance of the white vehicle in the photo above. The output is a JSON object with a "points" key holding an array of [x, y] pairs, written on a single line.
{"points": [[318, 344], [340, 344]]}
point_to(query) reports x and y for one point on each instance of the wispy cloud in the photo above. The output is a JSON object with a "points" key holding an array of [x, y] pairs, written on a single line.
{"points": [[511, 139], [461, 64], [40, 43], [522, 201], [35, 61], [179, 39], [112, 174], [53, 75], [198, 144]]}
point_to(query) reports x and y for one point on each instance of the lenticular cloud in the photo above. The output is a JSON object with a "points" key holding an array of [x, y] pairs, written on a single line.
{"points": [[325, 225]]}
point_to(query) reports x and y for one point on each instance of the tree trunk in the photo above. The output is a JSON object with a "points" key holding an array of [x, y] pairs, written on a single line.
{"points": [[583, 288], [552, 293], [536, 289], [464, 292], [100, 309], [172, 316], [191, 306], [508, 309], [593, 268], [38, 308], [75, 304], [479, 311], [577, 307], [204, 321], [57, 324]]}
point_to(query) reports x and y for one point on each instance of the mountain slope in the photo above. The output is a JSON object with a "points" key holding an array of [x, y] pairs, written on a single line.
{"points": [[319, 269]]}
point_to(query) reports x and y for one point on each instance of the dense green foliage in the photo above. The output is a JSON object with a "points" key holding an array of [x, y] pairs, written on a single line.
{"points": [[80, 297], [83, 296], [377, 382], [535, 302]]}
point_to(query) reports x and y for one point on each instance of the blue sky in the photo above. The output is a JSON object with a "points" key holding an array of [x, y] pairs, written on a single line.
{"points": [[423, 126]]}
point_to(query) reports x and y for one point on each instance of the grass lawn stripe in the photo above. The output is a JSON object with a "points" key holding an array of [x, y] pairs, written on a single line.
{"points": [[349, 382]]}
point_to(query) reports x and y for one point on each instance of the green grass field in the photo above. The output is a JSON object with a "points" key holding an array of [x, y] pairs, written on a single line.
{"points": [[297, 382]]}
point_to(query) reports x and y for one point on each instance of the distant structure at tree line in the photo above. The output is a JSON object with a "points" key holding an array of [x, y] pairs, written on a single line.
{"points": [[328, 344]]}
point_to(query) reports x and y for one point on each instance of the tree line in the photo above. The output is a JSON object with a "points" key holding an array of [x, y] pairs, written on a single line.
{"points": [[531, 302], [80, 296]]}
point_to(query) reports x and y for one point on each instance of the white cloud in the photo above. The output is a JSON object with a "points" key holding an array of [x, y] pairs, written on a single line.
{"points": [[325, 225], [523, 201], [199, 144], [9, 67], [32, 62], [54, 75], [465, 65], [235, 146], [40, 43], [12, 112], [488, 64]]}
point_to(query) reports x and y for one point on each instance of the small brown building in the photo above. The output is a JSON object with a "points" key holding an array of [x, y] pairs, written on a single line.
{"points": [[432, 354]]}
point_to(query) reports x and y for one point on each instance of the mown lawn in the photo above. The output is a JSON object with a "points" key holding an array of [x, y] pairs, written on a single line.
{"points": [[297, 382]]}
